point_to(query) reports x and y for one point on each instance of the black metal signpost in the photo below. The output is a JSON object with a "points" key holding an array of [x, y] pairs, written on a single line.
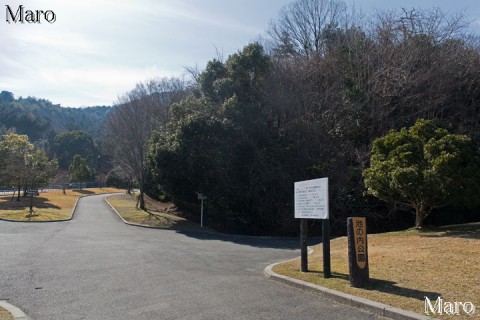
{"points": [[304, 244], [326, 248], [311, 202]]}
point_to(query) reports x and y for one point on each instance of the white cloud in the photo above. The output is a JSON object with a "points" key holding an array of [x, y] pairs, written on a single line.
{"points": [[69, 41], [98, 49], [92, 86]]}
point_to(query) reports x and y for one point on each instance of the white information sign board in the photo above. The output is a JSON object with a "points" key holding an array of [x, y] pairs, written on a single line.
{"points": [[311, 199]]}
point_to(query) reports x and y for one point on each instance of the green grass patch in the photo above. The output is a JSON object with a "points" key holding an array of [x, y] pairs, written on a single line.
{"points": [[155, 216], [405, 267], [47, 206]]}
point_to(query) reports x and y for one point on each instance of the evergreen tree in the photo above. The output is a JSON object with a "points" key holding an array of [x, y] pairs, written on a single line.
{"points": [[424, 167], [79, 170]]}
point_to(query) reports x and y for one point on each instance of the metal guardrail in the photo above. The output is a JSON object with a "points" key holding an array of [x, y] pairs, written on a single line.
{"points": [[71, 185]]}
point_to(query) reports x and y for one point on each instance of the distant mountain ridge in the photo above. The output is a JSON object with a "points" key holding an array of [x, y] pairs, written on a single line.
{"points": [[40, 119]]}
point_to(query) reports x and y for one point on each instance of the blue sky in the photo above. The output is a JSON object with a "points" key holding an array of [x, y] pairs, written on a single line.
{"points": [[99, 49]]}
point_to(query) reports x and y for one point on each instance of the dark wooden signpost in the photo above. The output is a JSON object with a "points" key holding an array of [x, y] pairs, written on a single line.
{"points": [[311, 202], [357, 251]]}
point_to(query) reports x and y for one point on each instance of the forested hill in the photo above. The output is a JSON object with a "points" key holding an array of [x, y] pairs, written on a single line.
{"points": [[40, 119]]}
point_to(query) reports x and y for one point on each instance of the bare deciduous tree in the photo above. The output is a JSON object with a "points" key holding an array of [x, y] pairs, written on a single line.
{"points": [[137, 114], [302, 26], [336, 85]]}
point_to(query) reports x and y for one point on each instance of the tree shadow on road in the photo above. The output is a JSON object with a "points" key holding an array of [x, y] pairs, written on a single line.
{"points": [[83, 191], [253, 241]]}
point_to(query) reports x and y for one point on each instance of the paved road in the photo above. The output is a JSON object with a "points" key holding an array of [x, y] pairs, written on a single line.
{"points": [[96, 267]]}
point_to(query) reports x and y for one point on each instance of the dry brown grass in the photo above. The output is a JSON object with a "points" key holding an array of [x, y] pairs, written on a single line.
{"points": [[406, 266], [157, 215], [48, 206], [5, 315]]}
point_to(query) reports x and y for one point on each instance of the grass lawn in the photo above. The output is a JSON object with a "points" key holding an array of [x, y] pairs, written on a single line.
{"points": [[407, 266], [51, 205], [5, 315], [157, 215]]}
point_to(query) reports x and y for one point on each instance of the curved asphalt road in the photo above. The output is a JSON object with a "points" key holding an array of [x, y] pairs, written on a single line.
{"points": [[96, 267]]}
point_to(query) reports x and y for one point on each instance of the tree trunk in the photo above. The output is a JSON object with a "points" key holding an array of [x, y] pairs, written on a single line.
{"points": [[141, 196], [18, 193], [31, 205], [420, 215], [141, 201]]}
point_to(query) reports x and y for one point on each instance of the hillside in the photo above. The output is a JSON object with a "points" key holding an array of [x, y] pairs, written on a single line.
{"points": [[41, 119]]}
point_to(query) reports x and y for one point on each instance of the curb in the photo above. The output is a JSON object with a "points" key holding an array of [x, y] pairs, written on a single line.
{"points": [[14, 311], [153, 227], [365, 304], [121, 218], [130, 223]]}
